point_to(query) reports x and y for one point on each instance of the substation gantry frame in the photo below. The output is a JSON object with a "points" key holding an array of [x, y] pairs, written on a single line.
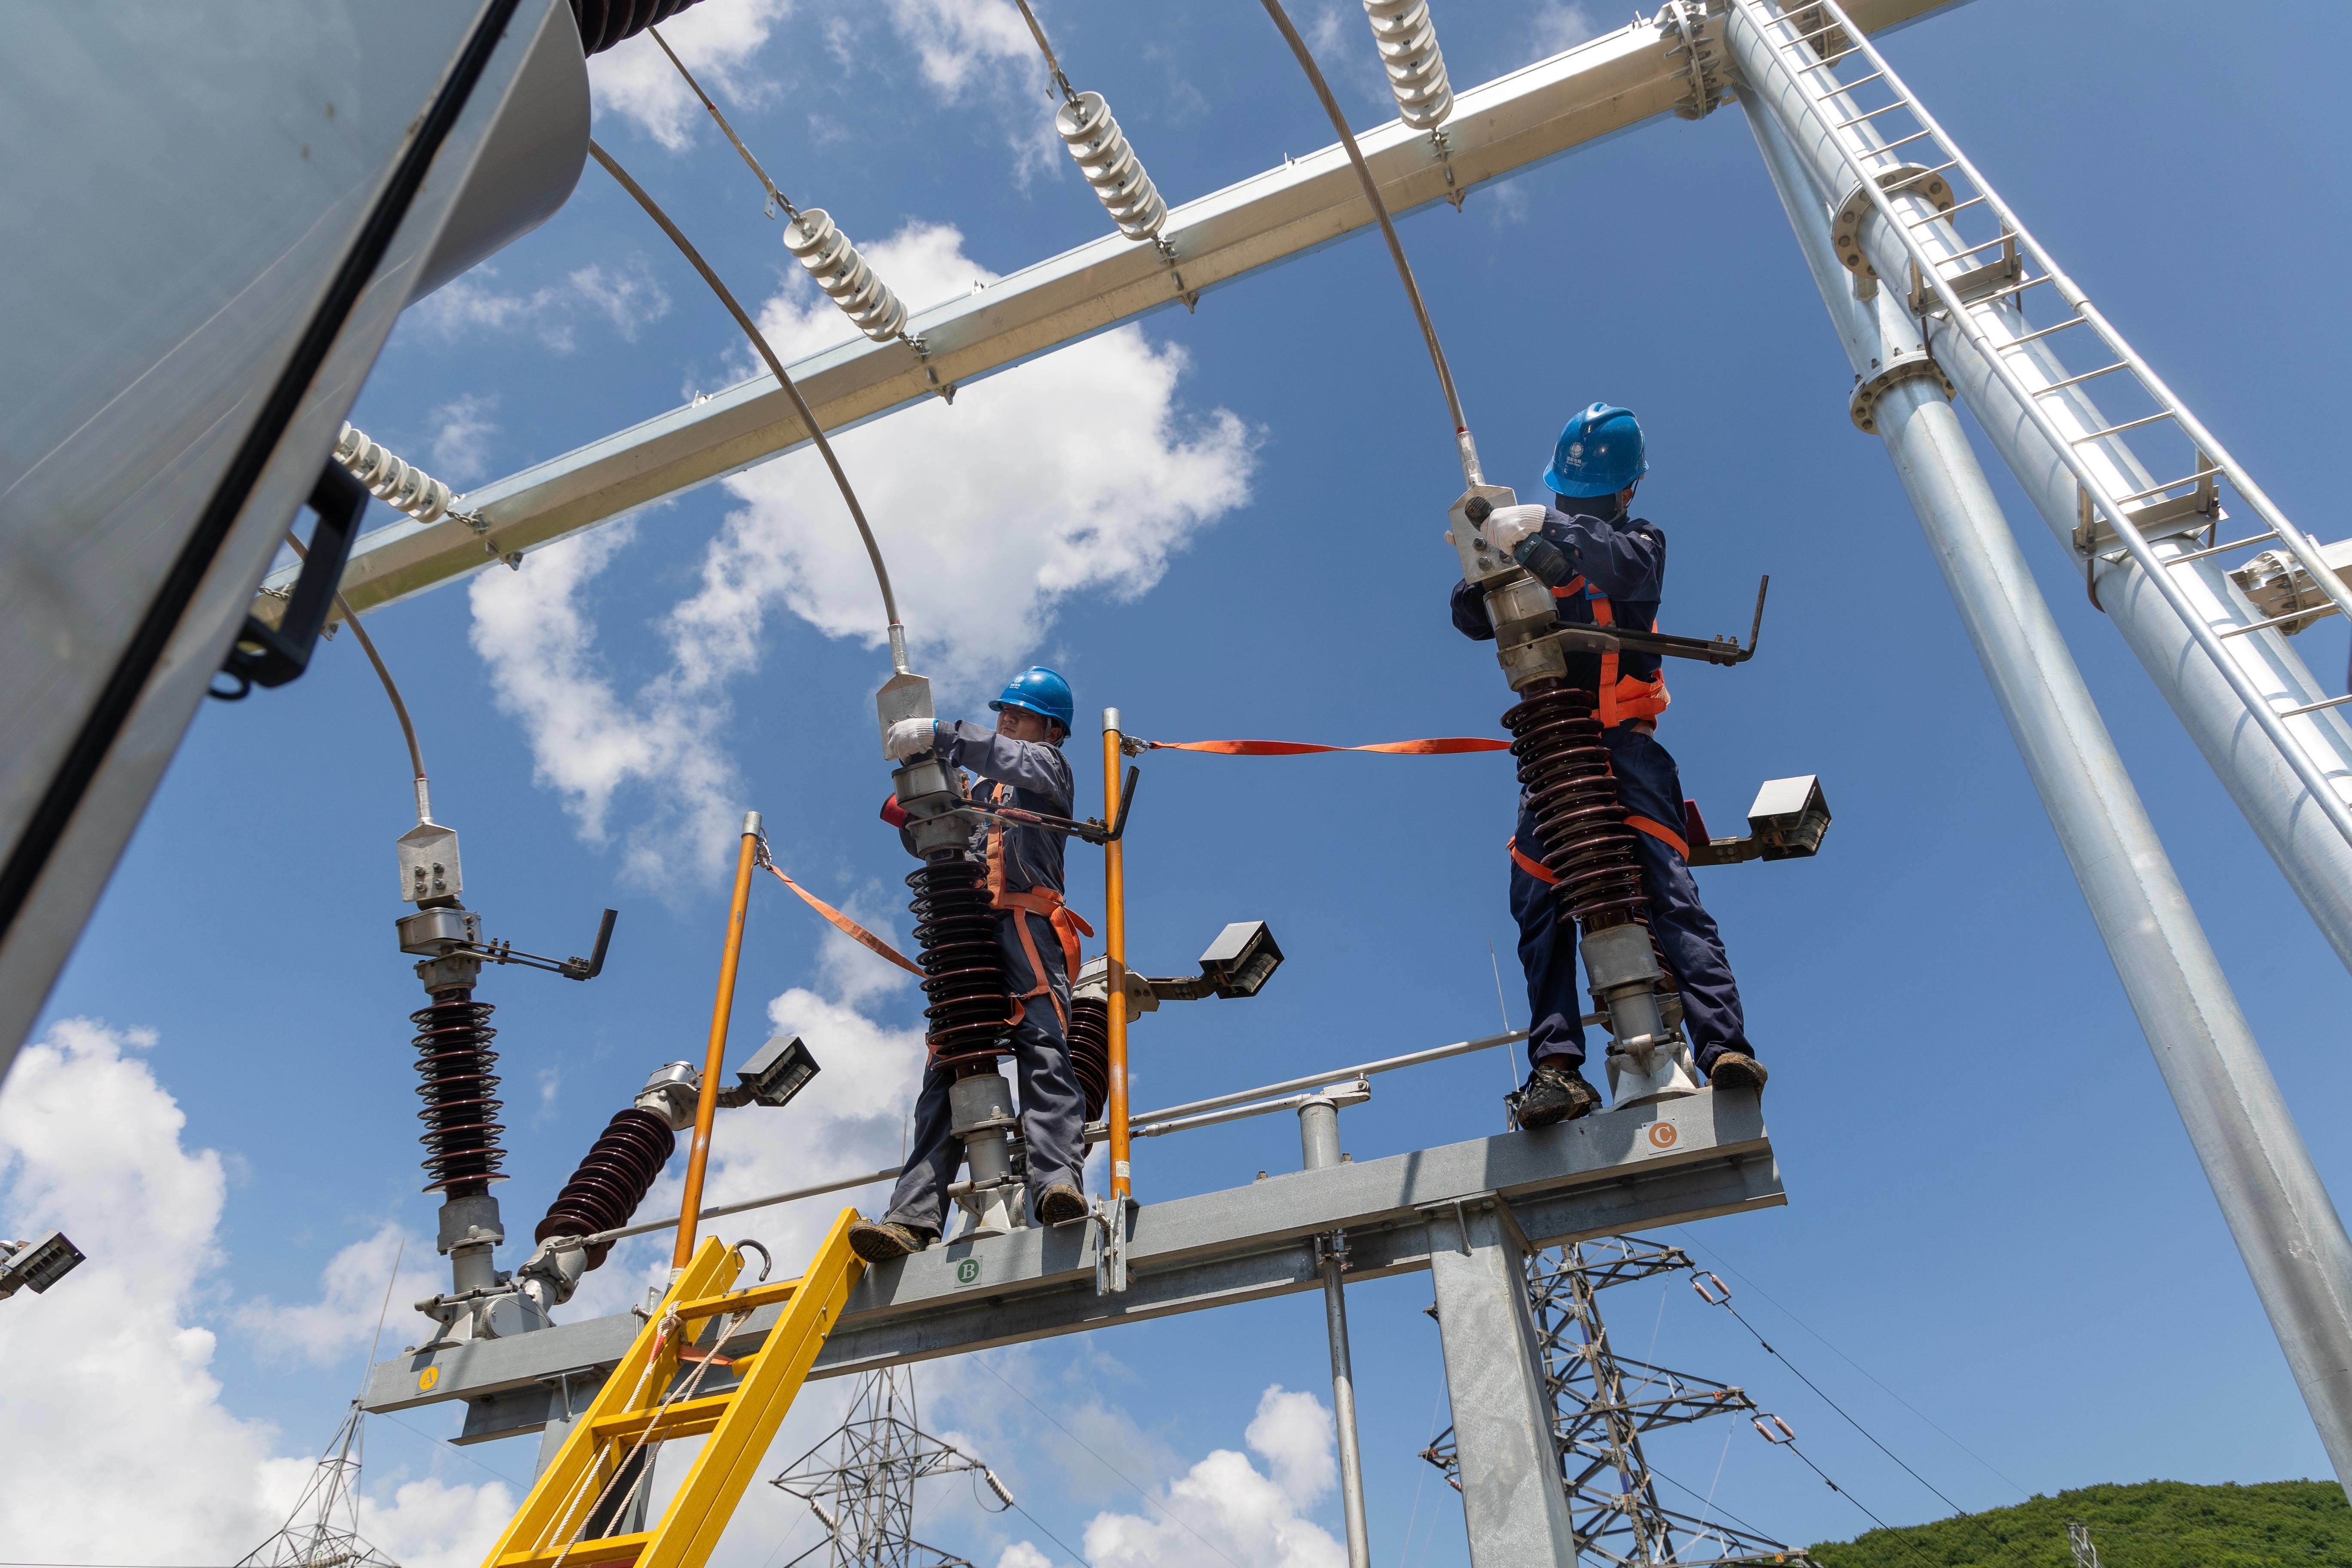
{"points": [[1926, 315]]}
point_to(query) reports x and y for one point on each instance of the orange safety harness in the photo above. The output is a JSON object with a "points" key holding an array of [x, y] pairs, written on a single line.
{"points": [[1623, 698], [1442, 746], [1067, 923]]}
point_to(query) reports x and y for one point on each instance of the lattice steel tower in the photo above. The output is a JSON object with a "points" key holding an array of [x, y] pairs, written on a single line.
{"points": [[323, 1530], [1603, 1403], [865, 1497]]}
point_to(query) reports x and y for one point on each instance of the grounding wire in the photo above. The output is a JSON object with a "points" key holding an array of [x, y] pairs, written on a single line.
{"points": [[1068, 92], [1099, 1459], [776, 198], [897, 631], [399, 710], [1388, 228], [1076, 1555], [1866, 1372]]}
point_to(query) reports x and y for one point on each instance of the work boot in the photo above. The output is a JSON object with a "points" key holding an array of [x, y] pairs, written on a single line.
{"points": [[1737, 1070], [890, 1239], [1062, 1205], [1554, 1092]]}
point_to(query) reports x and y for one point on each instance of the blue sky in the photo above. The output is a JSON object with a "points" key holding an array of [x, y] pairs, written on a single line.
{"points": [[1999, 1253]]}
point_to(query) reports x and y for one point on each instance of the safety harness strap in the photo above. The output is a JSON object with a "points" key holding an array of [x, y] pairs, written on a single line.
{"points": [[848, 927], [1441, 746], [1533, 868], [1662, 833], [1067, 923]]}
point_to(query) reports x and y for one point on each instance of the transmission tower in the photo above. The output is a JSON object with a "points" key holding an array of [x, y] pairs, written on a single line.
{"points": [[1602, 1405], [323, 1530], [864, 1495], [2078, 1542]]}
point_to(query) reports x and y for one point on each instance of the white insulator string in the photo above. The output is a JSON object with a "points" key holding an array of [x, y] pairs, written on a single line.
{"points": [[1110, 166], [818, 244], [1416, 67], [407, 488]]}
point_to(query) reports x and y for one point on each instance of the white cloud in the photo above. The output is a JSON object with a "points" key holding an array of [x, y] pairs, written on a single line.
{"points": [[718, 42], [1075, 473], [117, 1446], [460, 442], [1562, 25], [336, 1328], [469, 307], [1225, 1513], [1022, 1554]]}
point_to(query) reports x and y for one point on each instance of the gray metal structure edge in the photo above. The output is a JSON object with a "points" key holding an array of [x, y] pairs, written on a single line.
{"points": [[1615, 1171], [1597, 89]]}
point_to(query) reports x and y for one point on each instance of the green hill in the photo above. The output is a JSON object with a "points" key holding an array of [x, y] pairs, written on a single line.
{"points": [[2156, 1524]]}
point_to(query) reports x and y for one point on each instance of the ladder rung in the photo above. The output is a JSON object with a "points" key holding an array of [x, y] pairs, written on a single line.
{"points": [[1914, 136], [2069, 321], [2087, 375], [2313, 707], [2213, 473], [738, 1302], [1807, 38], [583, 1553], [2263, 538], [1849, 85], [699, 1414], [1887, 108], [2013, 288], [2112, 429], [1971, 250], [2314, 613], [1954, 207]]}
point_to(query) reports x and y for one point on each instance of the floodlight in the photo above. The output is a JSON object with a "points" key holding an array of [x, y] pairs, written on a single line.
{"points": [[1789, 818], [777, 1071], [39, 1264], [1240, 960]]}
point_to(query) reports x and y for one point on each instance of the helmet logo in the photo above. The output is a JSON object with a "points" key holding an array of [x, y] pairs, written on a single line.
{"points": [[1576, 449]]}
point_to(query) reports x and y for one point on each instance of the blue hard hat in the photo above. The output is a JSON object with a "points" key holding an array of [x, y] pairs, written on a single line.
{"points": [[1041, 691], [1598, 453]]}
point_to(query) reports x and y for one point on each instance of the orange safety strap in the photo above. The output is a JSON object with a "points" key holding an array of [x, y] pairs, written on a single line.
{"points": [[1624, 698], [1442, 746], [848, 927], [1535, 868], [1068, 922], [1661, 832]]}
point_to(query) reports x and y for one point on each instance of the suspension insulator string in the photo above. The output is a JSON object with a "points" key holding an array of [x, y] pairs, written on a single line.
{"points": [[1464, 448], [897, 629], [815, 241], [1102, 152], [1407, 40]]}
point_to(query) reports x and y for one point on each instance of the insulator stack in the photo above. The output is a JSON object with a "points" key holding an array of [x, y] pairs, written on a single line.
{"points": [[1564, 768], [409, 489], [612, 1181], [1089, 1037], [817, 242], [1408, 45], [460, 1090], [970, 986], [1110, 166]]}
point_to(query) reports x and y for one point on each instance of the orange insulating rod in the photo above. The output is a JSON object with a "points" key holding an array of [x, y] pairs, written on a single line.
{"points": [[714, 1058], [1115, 947]]}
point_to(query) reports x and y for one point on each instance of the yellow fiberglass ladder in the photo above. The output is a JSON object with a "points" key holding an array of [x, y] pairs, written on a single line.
{"points": [[598, 1474]]}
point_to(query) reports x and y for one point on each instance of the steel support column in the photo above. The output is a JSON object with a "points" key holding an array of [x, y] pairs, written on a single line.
{"points": [[2286, 1227], [2314, 859], [1511, 1496]]}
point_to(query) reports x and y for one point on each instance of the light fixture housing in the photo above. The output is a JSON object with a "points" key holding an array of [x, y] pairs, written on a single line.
{"points": [[38, 1264], [777, 1071]]}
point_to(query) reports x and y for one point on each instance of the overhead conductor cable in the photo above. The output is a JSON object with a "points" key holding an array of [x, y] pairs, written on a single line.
{"points": [[1100, 149], [815, 241], [1464, 448], [897, 631]]}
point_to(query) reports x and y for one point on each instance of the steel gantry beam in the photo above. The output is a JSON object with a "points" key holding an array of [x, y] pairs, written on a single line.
{"points": [[1592, 91], [1469, 1212]]}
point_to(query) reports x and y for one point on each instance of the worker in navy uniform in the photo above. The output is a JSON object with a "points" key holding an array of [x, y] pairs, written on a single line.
{"points": [[1605, 567], [1022, 763]]}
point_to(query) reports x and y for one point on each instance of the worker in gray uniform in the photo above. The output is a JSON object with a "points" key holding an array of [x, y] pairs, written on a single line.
{"points": [[1022, 761]]}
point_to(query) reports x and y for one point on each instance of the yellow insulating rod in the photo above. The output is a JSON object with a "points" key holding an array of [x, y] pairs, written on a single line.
{"points": [[1115, 949], [714, 1058]]}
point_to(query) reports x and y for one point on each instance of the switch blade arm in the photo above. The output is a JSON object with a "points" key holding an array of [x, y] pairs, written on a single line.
{"points": [[1725, 651]]}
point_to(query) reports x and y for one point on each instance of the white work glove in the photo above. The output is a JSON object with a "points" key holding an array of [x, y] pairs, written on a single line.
{"points": [[909, 738], [1508, 525]]}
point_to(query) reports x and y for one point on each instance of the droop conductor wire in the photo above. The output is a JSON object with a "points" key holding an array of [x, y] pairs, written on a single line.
{"points": [[1467, 450], [383, 673], [897, 631]]}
